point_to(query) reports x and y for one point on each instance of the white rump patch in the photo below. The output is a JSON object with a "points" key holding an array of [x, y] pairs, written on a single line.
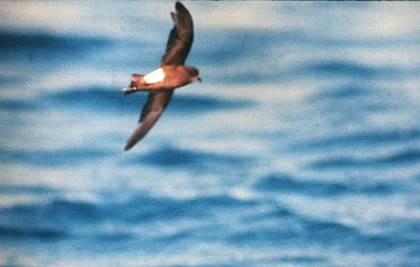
{"points": [[155, 76]]}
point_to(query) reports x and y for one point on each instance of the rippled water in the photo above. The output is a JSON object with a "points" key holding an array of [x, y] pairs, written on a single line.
{"points": [[300, 148]]}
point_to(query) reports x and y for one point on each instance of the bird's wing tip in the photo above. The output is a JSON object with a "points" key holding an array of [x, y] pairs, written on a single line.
{"points": [[130, 144], [178, 5]]}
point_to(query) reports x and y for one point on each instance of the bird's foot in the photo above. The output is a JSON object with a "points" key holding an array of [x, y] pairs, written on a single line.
{"points": [[130, 90], [136, 84]]}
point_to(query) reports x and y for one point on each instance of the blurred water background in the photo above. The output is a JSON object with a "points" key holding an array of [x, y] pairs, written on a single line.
{"points": [[300, 148]]}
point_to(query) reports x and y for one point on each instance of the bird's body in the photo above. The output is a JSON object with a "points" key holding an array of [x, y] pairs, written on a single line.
{"points": [[171, 74], [166, 77]]}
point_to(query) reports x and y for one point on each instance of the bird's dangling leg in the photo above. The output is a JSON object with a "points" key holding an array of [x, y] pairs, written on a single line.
{"points": [[137, 84]]}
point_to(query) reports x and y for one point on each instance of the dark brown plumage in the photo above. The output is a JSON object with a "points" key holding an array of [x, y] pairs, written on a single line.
{"points": [[180, 38], [172, 74]]}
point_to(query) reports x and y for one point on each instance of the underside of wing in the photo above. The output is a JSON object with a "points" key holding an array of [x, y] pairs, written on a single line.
{"points": [[180, 38], [154, 107]]}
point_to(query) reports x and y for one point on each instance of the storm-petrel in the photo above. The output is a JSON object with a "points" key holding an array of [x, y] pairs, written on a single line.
{"points": [[171, 74]]}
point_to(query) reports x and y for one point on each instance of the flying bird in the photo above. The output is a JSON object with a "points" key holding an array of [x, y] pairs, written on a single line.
{"points": [[171, 74]]}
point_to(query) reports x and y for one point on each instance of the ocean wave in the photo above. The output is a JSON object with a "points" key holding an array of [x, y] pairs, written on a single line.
{"points": [[189, 103], [54, 219], [344, 92], [40, 40], [93, 98], [304, 260], [114, 237], [346, 68], [56, 157], [286, 183], [402, 157], [227, 47], [57, 211], [170, 156], [41, 53], [13, 232], [250, 77], [108, 99], [68, 215], [14, 105], [176, 237], [362, 138], [263, 235], [300, 230], [146, 208], [339, 162], [405, 157], [26, 189], [12, 79], [276, 213], [327, 230]]}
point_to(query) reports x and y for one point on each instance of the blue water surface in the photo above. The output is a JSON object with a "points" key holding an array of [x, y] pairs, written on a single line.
{"points": [[301, 147]]}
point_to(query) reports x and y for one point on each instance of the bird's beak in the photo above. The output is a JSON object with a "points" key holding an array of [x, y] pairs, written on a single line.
{"points": [[199, 79]]}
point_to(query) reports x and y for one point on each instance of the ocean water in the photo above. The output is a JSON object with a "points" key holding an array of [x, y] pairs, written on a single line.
{"points": [[301, 147]]}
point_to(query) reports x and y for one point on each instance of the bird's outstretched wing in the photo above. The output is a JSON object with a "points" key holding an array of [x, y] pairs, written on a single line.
{"points": [[180, 38], [155, 105]]}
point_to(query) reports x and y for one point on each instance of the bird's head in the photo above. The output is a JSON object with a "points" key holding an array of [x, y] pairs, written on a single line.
{"points": [[194, 74]]}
